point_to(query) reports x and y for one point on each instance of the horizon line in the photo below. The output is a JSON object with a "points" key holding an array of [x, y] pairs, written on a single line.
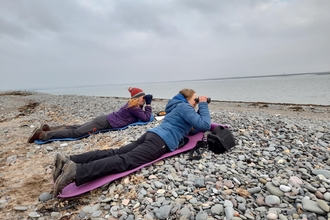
{"points": [[206, 79]]}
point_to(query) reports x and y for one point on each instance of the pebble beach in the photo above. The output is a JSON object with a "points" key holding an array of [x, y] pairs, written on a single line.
{"points": [[279, 168]]}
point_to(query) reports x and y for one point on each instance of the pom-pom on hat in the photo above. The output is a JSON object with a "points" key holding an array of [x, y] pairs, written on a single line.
{"points": [[136, 92]]}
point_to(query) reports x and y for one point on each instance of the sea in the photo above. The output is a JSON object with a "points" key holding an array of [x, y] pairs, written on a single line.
{"points": [[312, 88]]}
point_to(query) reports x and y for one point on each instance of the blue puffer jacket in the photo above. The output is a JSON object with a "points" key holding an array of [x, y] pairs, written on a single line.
{"points": [[180, 118]]}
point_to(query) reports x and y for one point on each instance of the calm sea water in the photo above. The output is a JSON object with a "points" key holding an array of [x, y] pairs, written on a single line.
{"points": [[295, 89]]}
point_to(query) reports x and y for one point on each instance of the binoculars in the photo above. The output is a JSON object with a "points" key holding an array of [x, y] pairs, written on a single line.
{"points": [[148, 95], [208, 100]]}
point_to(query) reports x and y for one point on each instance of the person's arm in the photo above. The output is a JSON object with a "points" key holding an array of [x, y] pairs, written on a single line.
{"points": [[143, 115], [200, 121]]}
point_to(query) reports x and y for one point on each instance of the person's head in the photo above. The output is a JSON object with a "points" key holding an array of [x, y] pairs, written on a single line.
{"points": [[137, 97], [190, 95]]}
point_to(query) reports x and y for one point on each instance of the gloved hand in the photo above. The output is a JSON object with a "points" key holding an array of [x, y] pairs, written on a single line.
{"points": [[148, 99]]}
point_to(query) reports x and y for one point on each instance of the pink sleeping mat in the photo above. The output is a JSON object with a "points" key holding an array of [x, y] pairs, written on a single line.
{"points": [[73, 190]]}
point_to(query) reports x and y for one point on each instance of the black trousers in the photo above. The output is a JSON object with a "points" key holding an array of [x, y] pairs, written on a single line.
{"points": [[96, 164], [73, 131]]}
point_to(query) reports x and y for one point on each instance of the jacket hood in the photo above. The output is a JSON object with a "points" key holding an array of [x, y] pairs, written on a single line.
{"points": [[177, 99]]}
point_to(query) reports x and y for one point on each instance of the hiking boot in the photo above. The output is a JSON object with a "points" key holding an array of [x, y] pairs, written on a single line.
{"points": [[35, 135], [59, 161], [45, 127], [67, 176]]}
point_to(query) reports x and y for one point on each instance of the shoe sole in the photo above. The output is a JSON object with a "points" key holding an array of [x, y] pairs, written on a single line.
{"points": [[65, 169], [42, 127], [58, 166], [33, 133], [56, 163]]}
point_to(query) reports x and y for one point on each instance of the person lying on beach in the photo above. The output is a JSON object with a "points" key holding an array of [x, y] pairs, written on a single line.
{"points": [[180, 118], [131, 112]]}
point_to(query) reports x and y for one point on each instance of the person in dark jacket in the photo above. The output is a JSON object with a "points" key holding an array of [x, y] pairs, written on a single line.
{"points": [[131, 112], [180, 118]]}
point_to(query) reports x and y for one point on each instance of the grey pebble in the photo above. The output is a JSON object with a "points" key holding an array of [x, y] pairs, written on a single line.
{"points": [[45, 197], [20, 208], [163, 212]]}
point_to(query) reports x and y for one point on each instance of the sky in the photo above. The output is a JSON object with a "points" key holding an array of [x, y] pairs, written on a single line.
{"points": [[48, 44]]}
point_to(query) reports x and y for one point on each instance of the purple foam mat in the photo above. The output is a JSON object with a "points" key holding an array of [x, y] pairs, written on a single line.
{"points": [[73, 190]]}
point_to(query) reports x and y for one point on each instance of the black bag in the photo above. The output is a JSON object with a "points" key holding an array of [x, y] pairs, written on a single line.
{"points": [[220, 140]]}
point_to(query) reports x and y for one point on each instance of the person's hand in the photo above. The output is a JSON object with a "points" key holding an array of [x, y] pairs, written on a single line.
{"points": [[148, 99], [202, 98]]}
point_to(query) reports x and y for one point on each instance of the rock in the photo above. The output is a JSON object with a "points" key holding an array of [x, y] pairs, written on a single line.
{"points": [[201, 215], [34, 215], [271, 216], [323, 205], [327, 196], [229, 211], [217, 209], [325, 173], [272, 200], [254, 190], [45, 197], [285, 188], [282, 217], [163, 212], [312, 206], [274, 190], [294, 180], [20, 208]]}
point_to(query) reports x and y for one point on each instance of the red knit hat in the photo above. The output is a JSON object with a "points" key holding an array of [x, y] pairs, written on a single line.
{"points": [[136, 92]]}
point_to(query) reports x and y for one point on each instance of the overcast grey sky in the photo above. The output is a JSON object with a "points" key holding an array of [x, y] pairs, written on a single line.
{"points": [[69, 43]]}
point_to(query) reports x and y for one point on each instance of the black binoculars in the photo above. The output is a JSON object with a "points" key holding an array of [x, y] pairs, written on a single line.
{"points": [[208, 100], [148, 94]]}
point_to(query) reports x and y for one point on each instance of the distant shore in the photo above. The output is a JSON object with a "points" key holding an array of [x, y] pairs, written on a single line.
{"points": [[300, 88]]}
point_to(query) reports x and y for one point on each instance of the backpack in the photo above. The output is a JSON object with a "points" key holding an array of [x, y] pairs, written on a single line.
{"points": [[219, 141]]}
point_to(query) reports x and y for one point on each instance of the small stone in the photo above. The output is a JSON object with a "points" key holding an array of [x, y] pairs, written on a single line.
{"points": [[55, 214], [11, 159], [312, 206], [327, 196], [260, 201], [294, 180], [96, 214], [125, 202], [45, 197], [285, 188], [159, 163], [229, 212], [282, 217], [324, 205], [20, 208], [136, 205], [271, 216], [161, 191], [217, 209], [274, 190], [272, 200], [254, 190], [325, 173], [34, 214], [228, 203], [87, 209], [319, 195], [163, 212]]}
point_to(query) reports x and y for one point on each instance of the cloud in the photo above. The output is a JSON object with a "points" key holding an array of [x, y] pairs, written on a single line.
{"points": [[61, 43]]}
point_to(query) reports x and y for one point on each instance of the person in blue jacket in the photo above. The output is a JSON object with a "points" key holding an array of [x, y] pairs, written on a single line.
{"points": [[180, 120]]}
